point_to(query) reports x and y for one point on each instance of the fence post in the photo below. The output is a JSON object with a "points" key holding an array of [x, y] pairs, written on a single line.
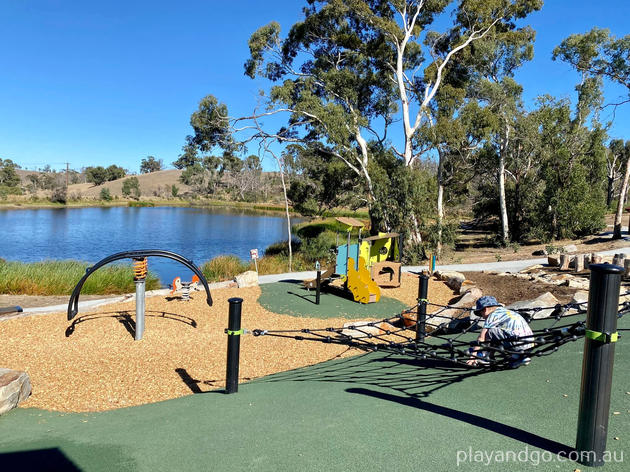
{"points": [[318, 286], [423, 290], [234, 332], [597, 364]]}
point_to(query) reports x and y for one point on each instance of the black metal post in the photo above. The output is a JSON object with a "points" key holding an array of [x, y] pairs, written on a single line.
{"points": [[318, 286], [234, 332], [423, 291], [597, 364]]}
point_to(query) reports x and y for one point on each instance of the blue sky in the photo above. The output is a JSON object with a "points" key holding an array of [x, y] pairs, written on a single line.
{"points": [[99, 83]]}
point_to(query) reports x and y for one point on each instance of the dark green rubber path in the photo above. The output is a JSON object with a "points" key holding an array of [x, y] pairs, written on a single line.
{"points": [[367, 413], [291, 298]]}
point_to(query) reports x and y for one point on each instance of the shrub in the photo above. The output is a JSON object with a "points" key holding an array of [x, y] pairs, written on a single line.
{"points": [[224, 267], [59, 195], [105, 195]]}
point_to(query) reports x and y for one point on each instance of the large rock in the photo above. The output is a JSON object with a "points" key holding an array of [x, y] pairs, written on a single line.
{"points": [[247, 279], [453, 279], [532, 269], [582, 284], [545, 300], [360, 329], [460, 309], [15, 387], [580, 296], [569, 248], [553, 260]]}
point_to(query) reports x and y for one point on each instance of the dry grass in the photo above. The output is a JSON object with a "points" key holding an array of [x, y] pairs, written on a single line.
{"points": [[100, 366]]}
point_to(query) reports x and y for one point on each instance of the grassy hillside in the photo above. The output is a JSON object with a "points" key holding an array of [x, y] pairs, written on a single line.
{"points": [[151, 185]]}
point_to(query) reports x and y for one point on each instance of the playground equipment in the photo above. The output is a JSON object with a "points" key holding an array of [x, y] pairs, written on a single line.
{"points": [[185, 287], [393, 335], [371, 263], [139, 258]]}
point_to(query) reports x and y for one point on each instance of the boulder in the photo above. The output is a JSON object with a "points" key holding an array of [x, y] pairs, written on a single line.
{"points": [[540, 252], [545, 300], [562, 279], [15, 387], [569, 248], [582, 284], [531, 269], [553, 260], [247, 279], [453, 279], [359, 329], [467, 286], [460, 309], [580, 296]]}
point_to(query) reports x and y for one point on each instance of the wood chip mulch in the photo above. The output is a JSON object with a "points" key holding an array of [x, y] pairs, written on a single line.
{"points": [[100, 367]]}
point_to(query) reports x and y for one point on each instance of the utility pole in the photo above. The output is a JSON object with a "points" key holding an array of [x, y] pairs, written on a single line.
{"points": [[67, 172]]}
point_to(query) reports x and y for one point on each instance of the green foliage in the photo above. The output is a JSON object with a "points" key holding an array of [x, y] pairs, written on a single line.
{"points": [[320, 248], [150, 164], [115, 172], [322, 182], [59, 195], [60, 277], [223, 268], [97, 175], [8, 175], [404, 197], [131, 187], [597, 54], [140, 204], [174, 191], [105, 195], [281, 248], [6, 191]]}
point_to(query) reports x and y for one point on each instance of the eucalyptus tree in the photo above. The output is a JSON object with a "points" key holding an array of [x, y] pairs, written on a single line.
{"points": [[622, 152], [353, 69], [573, 167], [597, 53]]}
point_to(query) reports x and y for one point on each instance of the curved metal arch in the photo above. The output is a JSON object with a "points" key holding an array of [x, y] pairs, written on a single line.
{"points": [[73, 303]]}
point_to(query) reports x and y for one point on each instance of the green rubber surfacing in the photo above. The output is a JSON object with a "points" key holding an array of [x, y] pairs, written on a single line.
{"points": [[291, 298], [370, 412]]}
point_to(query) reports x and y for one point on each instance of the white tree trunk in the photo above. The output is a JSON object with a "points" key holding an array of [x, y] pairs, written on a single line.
{"points": [[620, 204], [440, 205], [505, 228]]}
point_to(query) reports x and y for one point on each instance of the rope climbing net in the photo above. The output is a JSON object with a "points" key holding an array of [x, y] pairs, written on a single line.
{"points": [[454, 339]]}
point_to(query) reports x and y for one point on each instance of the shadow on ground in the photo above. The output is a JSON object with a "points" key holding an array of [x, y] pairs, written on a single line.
{"points": [[415, 380], [126, 319]]}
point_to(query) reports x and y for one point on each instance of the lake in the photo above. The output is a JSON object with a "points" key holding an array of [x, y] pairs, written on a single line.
{"points": [[90, 234]]}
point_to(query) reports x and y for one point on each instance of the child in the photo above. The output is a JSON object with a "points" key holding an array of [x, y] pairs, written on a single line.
{"points": [[506, 326]]}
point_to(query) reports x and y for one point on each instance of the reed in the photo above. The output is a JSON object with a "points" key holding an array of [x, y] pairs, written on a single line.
{"points": [[60, 277]]}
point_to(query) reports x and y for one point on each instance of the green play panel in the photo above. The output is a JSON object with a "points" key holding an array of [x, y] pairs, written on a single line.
{"points": [[291, 298], [369, 412]]}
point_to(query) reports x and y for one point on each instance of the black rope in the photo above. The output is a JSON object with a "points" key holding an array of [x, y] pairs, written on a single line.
{"points": [[397, 334]]}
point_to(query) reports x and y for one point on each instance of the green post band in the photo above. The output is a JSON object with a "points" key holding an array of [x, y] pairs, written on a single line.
{"points": [[234, 333], [602, 337], [423, 300]]}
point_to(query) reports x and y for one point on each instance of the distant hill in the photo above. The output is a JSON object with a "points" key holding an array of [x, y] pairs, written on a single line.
{"points": [[153, 184]]}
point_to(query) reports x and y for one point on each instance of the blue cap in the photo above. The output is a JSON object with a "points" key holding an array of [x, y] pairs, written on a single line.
{"points": [[485, 302]]}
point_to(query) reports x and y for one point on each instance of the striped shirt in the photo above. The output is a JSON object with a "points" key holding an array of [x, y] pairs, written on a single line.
{"points": [[513, 324]]}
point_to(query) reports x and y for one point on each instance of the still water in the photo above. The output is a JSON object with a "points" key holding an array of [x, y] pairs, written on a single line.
{"points": [[90, 234]]}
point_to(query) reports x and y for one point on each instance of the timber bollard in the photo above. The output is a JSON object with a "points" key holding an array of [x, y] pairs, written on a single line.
{"points": [[318, 286], [597, 364], [234, 332], [423, 290]]}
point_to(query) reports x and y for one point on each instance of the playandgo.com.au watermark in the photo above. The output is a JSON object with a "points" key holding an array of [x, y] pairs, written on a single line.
{"points": [[533, 457]]}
